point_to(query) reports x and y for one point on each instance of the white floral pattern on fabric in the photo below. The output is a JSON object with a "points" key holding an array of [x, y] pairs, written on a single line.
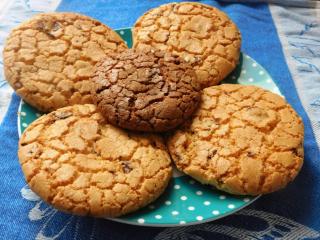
{"points": [[45, 214], [13, 12], [299, 37], [276, 227]]}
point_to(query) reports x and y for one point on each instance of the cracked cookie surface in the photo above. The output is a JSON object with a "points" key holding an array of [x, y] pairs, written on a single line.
{"points": [[80, 164], [242, 140], [200, 34], [145, 91], [49, 59]]}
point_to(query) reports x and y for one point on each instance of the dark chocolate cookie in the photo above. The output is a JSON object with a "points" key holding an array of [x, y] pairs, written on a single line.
{"points": [[145, 91]]}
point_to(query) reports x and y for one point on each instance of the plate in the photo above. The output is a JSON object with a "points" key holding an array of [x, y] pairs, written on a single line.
{"points": [[185, 201]]}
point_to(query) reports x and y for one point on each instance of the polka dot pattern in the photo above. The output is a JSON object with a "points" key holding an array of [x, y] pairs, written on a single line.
{"points": [[141, 220], [231, 206], [199, 193], [222, 197], [183, 198], [199, 218], [215, 212], [191, 208], [175, 212], [251, 73], [186, 201]]}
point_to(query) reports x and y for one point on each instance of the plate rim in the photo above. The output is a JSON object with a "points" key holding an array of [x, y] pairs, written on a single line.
{"points": [[192, 223]]}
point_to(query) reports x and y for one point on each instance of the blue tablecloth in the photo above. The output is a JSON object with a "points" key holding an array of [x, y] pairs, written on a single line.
{"points": [[292, 213]]}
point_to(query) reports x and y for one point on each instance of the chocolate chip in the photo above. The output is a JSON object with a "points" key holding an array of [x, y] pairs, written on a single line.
{"points": [[251, 154], [126, 167], [211, 154], [56, 26]]}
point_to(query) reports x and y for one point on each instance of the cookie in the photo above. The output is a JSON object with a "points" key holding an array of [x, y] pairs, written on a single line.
{"points": [[49, 59], [145, 91], [242, 140], [80, 164], [200, 34]]}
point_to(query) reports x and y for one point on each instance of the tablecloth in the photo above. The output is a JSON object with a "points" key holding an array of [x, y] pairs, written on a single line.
{"points": [[284, 39]]}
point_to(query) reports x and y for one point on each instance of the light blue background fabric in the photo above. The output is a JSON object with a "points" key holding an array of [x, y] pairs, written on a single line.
{"points": [[292, 213]]}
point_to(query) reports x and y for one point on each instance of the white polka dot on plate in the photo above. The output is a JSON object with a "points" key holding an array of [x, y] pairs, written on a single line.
{"points": [[207, 203], [158, 216], [261, 72], [167, 203], [191, 208], [215, 212], [246, 56], [174, 213], [24, 125], [126, 42], [183, 198], [23, 114], [222, 197], [121, 32], [254, 65], [199, 193], [140, 220], [246, 199], [182, 222], [269, 80], [176, 186], [199, 218], [244, 71], [231, 206], [192, 182], [250, 79]]}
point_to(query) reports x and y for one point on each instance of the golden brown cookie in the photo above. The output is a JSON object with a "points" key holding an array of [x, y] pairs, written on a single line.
{"points": [[48, 60], [200, 34], [80, 164], [145, 91], [242, 140]]}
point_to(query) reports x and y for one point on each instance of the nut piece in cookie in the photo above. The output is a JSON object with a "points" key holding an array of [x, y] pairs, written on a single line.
{"points": [[49, 59], [242, 140], [80, 164], [200, 34], [145, 91]]}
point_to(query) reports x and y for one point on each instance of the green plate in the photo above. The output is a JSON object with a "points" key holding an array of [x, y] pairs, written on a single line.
{"points": [[185, 202]]}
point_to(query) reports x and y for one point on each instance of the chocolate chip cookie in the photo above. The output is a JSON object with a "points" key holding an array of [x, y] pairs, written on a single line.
{"points": [[242, 140], [49, 59], [200, 34], [80, 164]]}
